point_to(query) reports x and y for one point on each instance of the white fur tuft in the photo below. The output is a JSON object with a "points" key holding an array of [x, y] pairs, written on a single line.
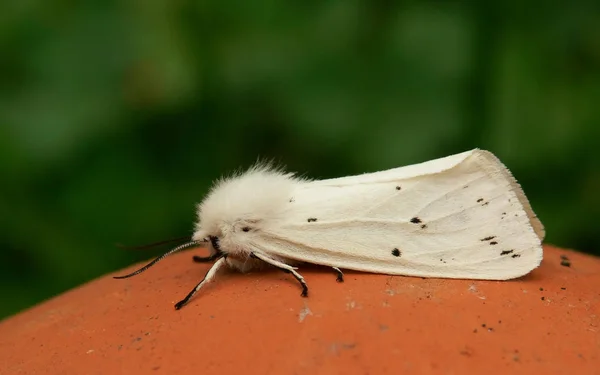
{"points": [[251, 198]]}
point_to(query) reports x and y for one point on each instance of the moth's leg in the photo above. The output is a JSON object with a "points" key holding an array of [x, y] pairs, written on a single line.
{"points": [[285, 268], [209, 258], [207, 278], [340, 275]]}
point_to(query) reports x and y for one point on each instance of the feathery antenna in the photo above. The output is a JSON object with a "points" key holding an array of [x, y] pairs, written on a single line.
{"points": [[178, 248]]}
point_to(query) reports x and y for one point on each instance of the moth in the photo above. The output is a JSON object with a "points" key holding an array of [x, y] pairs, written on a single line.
{"points": [[459, 217]]}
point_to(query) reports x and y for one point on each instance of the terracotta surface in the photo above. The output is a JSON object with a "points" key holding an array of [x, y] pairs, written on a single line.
{"points": [[544, 323]]}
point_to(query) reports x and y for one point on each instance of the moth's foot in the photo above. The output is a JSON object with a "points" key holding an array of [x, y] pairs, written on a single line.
{"points": [[180, 304], [340, 275]]}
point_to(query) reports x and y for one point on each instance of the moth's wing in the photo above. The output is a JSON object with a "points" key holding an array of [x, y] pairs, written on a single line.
{"points": [[469, 219], [483, 159]]}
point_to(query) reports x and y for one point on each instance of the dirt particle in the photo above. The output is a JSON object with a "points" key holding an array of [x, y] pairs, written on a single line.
{"points": [[396, 252], [415, 220], [541, 289], [304, 313], [335, 347], [311, 219], [479, 200], [398, 188], [565, 263], [543, 298]]}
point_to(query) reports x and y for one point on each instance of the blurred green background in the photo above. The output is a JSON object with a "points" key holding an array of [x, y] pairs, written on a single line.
{"points": [[116, 116]]}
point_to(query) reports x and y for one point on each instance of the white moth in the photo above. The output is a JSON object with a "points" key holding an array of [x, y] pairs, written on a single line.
{"points": [[463, 216]]}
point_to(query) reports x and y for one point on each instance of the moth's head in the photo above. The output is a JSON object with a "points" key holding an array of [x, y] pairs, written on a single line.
{"points": [[243, 202]]}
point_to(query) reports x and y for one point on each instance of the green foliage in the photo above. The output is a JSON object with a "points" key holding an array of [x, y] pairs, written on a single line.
{"points": [[116, 116]]}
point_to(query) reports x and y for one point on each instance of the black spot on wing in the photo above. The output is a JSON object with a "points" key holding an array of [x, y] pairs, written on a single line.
{"points": [[515, 255], [493, 243], [311, 219], [423, 226], [396, 252], [506, 252], [398, 188], [292, 199], [487, 238], [479, 200], [246, 229], [415, 220]]}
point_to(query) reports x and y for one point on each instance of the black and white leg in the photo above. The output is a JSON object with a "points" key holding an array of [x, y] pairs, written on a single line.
{"points": [[285, 268], [207, 278], [340, 275]]}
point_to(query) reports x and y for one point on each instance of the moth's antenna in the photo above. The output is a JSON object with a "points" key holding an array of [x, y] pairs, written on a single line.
{"points": [[150, 245], [178, 248]]}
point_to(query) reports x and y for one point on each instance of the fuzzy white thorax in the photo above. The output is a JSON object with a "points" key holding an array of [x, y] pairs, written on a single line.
{"points": [[249, 200]]}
